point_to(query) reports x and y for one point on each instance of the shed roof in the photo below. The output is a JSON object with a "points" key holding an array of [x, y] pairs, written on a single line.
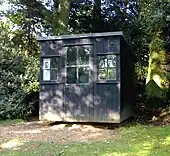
{"points": [[78, 36]]}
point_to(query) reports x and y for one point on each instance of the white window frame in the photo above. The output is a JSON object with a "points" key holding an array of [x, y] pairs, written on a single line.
{"points": [[77, 66], [46, 70]]}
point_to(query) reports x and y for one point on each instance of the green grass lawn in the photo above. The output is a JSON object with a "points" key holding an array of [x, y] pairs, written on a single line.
{"points": [[136, 140]]}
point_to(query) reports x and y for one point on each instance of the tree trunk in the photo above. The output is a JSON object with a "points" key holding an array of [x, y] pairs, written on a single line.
{"points": [[61, 17], [97, 21], [152, 16], [157, 82]]}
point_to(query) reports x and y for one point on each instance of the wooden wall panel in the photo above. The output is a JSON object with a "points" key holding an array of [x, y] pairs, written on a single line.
{"points": [[51, 102], [105, 103]]}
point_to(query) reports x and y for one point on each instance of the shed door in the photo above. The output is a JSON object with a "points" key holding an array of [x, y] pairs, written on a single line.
{"points": [[78, 92]]}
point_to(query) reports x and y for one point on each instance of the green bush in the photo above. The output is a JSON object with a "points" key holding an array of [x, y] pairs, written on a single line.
{"points": [[14, 101], [13, 106], [140, 82], [19, 74]]}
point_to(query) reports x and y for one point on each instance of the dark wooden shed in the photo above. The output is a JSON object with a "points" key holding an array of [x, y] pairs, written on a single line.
{"points": [[86, 78]]}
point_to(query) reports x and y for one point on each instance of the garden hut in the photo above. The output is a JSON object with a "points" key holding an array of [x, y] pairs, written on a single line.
{"points": [[86, 78]]}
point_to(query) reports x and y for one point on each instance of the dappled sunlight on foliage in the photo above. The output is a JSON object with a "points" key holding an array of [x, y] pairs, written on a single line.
{"points": [[147, 31], [19, 76]]}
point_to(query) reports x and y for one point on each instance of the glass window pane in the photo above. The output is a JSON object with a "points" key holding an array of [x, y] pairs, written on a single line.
{"points": [[83, 75], [53, 73], [112, 74], [54, 62], [71, 75], [107, 67], [111, 60], [102, 74], [102, 61], [71, 56], [83, 56]]}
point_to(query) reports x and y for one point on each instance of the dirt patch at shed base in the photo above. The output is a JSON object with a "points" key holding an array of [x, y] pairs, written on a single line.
{"points": [[59, 133]]}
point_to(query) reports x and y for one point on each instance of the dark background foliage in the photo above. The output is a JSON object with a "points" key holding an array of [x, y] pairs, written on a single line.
{"points": [[26, 19]]}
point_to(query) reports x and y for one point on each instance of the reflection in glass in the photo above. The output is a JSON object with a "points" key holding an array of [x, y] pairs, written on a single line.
{"points": [[78, 65], [111, 60], [102, 62], [71, 75], [54, 62], [83, 74], [71, 56], [102, 74], [83, 56], [107, 67], [111, 74], [53, 74]]}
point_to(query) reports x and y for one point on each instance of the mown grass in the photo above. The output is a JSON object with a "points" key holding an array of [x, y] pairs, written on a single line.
{"points": [[136, 140]]}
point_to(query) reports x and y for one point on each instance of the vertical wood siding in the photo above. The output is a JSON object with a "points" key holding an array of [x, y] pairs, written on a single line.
{"points": [[95, 102], [78, 100], [114, 44], [105, 102], [51, 102], [107, 45]]}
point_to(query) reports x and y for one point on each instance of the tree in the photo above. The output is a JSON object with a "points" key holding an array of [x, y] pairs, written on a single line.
{"points": [[153, 14], [14, 97], [143, 22], [61, 17]]}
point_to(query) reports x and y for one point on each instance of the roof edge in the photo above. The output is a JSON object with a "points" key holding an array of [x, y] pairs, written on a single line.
{"points": [[78, 36]]}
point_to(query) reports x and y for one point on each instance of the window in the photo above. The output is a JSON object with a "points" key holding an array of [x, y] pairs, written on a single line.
{"points": [[78, 65], [50, 69], [106, 67]]}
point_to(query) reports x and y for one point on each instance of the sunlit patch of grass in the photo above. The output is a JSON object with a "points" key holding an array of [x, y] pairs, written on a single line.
{"points": [[12, 144], [11, 122], [166, 141], [136, 140], [148, 140]]}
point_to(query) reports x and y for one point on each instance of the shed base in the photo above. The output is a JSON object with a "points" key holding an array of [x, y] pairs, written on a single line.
{"points": [[56, 118]]}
